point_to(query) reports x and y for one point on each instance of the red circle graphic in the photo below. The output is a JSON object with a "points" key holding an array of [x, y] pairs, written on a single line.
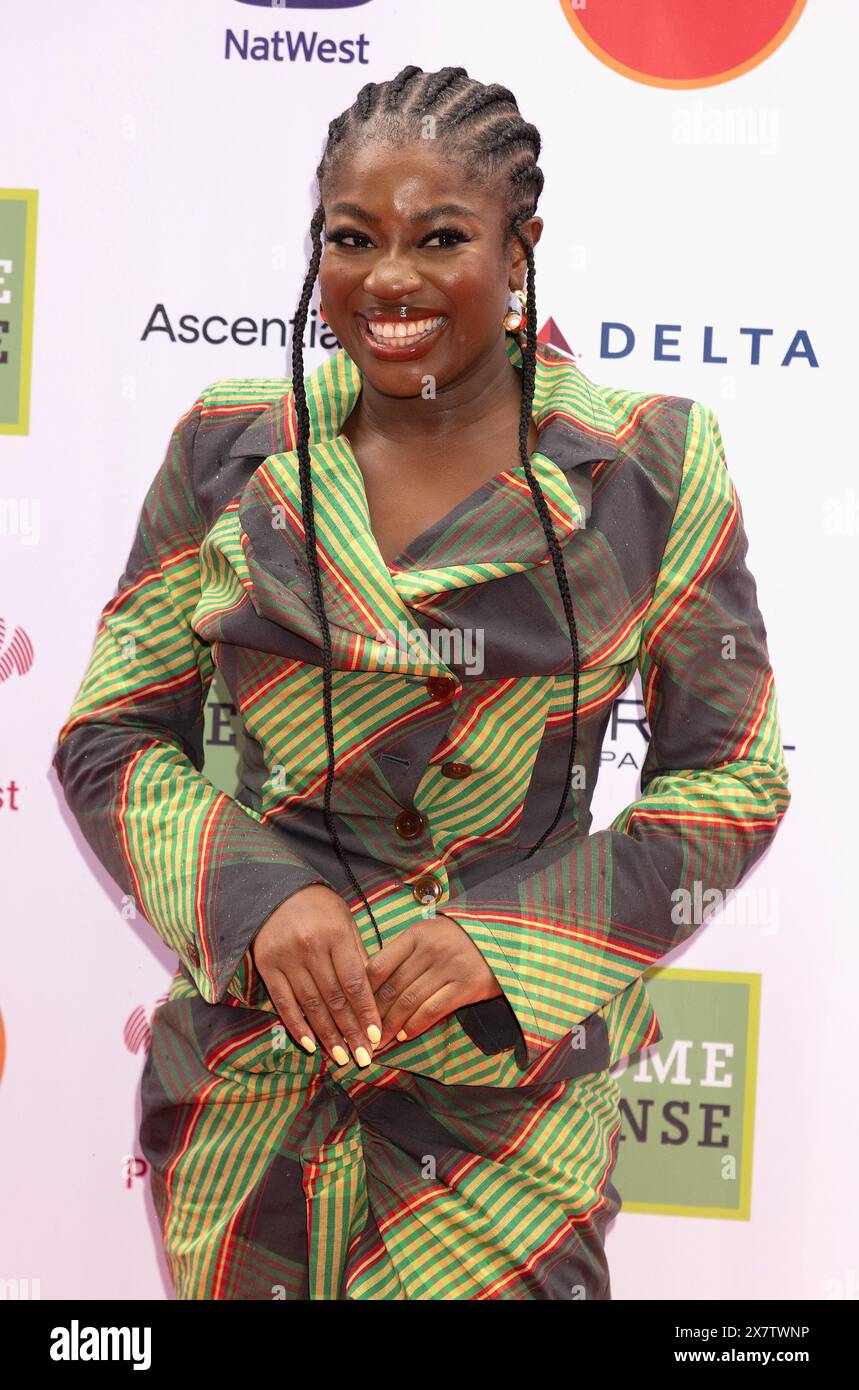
{"points": [[675, 43]]}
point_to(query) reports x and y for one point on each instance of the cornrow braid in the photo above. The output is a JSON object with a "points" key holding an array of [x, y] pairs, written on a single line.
{"points": [[438, 82], [336, 128], [365, 102], [510, 132], [486, 142], [396, 87], [477, 101]]}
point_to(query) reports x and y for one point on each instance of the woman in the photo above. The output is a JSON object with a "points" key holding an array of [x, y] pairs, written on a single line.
{"points": [[405, 966]]}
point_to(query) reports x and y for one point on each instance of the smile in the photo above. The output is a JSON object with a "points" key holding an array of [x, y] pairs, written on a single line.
{"points": [[399, 337]]}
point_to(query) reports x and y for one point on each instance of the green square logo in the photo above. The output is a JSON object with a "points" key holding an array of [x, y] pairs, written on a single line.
{"points": [[688, 1102], [17, 285]]}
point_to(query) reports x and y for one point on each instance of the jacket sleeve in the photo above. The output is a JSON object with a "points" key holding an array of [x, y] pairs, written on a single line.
{"points": [[569, 928], [203, 870]]}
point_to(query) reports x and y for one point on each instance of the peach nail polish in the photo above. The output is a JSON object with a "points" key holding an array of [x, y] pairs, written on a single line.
{"points": [[340, 1055]]}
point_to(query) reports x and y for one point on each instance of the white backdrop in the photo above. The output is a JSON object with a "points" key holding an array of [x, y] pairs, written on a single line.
{"points": [[170, 175]]}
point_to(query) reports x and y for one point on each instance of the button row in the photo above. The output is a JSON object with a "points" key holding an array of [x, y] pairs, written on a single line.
{"points": [[427, 888]]}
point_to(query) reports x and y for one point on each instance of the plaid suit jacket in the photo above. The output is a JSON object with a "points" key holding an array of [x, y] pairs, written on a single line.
{"points": [[652, 534]]}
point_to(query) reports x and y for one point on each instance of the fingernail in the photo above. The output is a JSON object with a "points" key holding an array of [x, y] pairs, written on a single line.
{"points": [[308, 1044], [340, 1055], [374, 1034], [362, 1057], [402, 1035]]}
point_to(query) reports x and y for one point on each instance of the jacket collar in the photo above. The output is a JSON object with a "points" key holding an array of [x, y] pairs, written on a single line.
{"points": [[574, 423], [494, 532]]}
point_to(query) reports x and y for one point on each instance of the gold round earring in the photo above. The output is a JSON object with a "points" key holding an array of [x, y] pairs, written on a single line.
{"points": [[515, 319]]}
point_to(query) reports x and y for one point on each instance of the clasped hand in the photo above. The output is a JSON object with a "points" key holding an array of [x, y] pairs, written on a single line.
{"points": [[327, 988]]}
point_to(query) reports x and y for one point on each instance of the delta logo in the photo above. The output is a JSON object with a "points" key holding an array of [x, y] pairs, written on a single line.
{"points": [[670, 43]]}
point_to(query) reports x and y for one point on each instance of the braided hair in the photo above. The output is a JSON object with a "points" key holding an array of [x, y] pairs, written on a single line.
{"points": [[480, 124]]}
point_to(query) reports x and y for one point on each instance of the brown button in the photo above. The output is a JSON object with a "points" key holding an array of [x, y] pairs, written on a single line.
{"points": [[409, 824], [441, 687], [427, 889], [456, 770]]}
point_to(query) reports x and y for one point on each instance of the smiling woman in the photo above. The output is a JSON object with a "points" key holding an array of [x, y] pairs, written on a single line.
{"points": [[406, 969]]}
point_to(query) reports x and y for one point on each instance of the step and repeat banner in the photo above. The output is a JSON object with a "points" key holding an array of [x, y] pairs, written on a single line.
{"points": [[157, 170]]}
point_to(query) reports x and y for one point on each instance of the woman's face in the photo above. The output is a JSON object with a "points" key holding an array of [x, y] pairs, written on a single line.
{"points": [[441, 279]]}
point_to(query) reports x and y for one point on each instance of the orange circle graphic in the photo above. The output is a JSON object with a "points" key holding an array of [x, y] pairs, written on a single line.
{"points": [[672, 43]]}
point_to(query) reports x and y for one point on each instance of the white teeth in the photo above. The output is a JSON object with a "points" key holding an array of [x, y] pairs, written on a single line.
{"points": [[416, 328]]}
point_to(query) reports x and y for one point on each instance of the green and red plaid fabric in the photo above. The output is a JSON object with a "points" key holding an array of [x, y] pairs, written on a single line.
{"points": [[652, 534]]}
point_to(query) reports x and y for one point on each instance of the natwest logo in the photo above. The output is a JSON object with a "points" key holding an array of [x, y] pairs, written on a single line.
{"points": [[296, 45], [305, 4]]}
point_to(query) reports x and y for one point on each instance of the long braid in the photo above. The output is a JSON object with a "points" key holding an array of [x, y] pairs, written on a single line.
{"points": [[529, 360], [484, 141], [302, 416]]}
